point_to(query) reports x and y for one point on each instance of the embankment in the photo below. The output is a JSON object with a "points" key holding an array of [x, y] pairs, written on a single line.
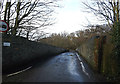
{"points": [[22, 52]]}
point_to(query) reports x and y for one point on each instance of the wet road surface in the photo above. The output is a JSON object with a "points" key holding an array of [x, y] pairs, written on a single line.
{"points": [[66, 67]]}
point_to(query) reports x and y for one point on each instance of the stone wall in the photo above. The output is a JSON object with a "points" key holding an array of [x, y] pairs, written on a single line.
{"points": [[92, 51], [98, 52], [22, 51]]}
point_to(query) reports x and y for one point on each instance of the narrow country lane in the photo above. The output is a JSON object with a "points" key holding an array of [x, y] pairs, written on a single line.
{"points": [[66, 67]]}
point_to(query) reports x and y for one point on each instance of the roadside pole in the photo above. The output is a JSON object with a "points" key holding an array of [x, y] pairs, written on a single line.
{"points": [[0, 47], [3, 28]]}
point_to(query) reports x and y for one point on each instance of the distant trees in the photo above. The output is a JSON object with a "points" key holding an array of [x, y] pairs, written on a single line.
{"points": [[75, 39], [27, 17], [59, 40]]}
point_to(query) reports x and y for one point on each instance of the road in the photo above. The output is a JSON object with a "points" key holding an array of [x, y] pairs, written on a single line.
{"points": [[66, 67]]}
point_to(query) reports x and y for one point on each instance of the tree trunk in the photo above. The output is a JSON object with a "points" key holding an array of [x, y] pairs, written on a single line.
{"points": [[27, 35], [16, 21], [117, 11], [6, 8]]}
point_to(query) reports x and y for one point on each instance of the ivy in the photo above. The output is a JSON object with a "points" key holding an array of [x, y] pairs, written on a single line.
{"points": [[116, 42]]}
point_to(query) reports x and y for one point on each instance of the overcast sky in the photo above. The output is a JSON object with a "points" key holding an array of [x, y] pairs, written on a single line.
{"points": [[71, 17]]}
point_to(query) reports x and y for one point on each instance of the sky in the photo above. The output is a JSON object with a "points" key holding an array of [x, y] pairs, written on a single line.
{"points": [[71, 17]]}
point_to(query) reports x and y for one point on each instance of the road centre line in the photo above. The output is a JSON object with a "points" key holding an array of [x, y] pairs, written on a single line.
{"points": [[12, 74]]}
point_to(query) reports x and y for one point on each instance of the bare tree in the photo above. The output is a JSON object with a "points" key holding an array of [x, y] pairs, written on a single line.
{"points": [[108, 10], [25, 17]]}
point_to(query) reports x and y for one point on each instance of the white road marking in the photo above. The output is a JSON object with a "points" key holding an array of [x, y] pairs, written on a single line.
{"points": [[78, 57], [18, 72], [81, 63]]}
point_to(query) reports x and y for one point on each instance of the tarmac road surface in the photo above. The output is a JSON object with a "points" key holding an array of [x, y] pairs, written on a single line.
{"points": [[66, 67]]}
